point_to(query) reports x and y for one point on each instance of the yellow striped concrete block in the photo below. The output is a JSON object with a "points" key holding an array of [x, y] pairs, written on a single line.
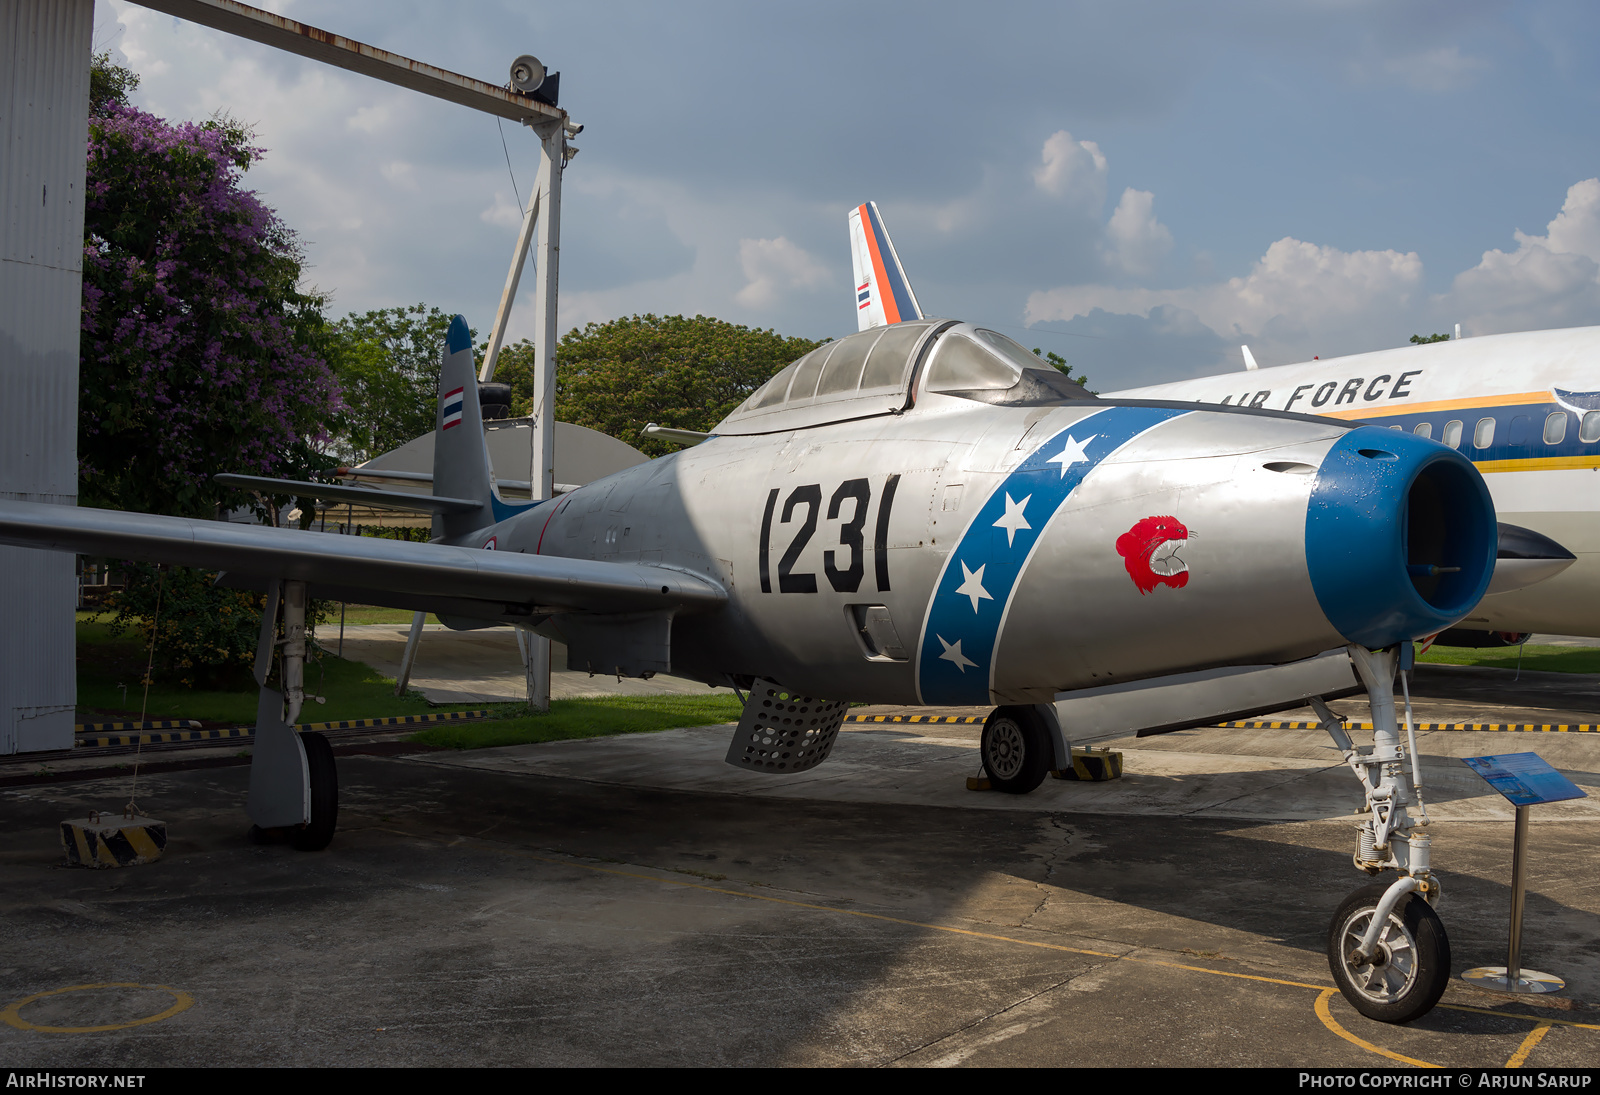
{"points": [[1091, 766], [113, 840]]}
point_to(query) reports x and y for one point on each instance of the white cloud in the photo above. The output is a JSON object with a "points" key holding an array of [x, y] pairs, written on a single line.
{"points": [[1576, 229], [1444, 68], [775, 267], [371, 119], [1136, 243], [1296, 292], [503, 211], [1301, 298], [1548, 281], [1070, 169]]}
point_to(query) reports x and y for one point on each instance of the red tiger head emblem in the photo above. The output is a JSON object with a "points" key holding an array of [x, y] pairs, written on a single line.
{"points": [[1150, 552]]}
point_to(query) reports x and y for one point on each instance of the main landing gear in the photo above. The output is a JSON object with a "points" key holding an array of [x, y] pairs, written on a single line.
{"points": [[1387, 948], [294, 784], [1018, 748]]}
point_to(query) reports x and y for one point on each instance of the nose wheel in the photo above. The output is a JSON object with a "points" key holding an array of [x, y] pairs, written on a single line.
{"points": [[1410, 964]]}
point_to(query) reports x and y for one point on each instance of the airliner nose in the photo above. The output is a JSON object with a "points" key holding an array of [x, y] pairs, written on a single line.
{"points": [[1400, 536]]}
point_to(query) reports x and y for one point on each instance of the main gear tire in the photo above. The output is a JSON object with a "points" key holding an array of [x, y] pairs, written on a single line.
{"points": [[1411, 968], [317, 833], [1016, 748]]}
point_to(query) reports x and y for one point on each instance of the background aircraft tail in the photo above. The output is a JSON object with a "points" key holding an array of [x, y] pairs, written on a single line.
{"points": [[461, 466], [883, 293]]}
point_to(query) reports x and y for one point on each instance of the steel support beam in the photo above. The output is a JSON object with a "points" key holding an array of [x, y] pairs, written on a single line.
{"points": [[347, 53]]}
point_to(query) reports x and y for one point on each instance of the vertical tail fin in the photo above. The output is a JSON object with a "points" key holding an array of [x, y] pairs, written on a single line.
{"points": [[460, 452], [883, 293]]}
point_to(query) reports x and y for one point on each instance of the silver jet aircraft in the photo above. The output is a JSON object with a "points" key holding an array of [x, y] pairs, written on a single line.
{"points": [[919, 513]]}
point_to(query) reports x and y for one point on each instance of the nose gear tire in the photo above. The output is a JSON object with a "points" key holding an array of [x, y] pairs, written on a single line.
{"points": [[1017, 750], [1412, 964]]}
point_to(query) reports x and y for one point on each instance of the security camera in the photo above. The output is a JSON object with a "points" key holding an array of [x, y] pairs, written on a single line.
{"points": [[526, 74]]}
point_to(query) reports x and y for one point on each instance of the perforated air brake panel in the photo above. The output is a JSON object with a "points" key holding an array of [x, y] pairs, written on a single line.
{"points": [[783, 731]]}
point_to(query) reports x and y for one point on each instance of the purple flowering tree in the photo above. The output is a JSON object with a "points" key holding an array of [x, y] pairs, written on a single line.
{"points": [[199, 354]]}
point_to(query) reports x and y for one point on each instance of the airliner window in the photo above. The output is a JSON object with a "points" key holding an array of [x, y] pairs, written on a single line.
{"points": [[1452, 433], [1424, 429], [1555, 427], [1521, 427], [1483, 435], [1589, 431]]}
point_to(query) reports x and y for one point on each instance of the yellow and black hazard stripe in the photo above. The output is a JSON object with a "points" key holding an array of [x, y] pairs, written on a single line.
{"points": [[113, 843], [1487, 727], [395, 720], [104, 740], [1091, 767], [114, 727], [967, 719]]}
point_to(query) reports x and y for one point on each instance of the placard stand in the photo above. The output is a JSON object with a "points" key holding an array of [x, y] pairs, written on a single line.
{"points": [[1524, 779]]}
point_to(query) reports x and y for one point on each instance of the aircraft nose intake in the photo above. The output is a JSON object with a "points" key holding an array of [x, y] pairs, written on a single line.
{"points": [[1400, 536]]}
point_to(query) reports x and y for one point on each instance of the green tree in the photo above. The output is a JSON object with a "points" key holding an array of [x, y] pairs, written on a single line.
{"points": [[198, 347], [1423, 340], [671, 370], [109, 84], [387, 363], [1061, 364], [198, 354]]}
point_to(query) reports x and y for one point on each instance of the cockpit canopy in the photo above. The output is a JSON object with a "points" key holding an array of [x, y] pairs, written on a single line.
{"points": [[876, 371], [977, 363]]}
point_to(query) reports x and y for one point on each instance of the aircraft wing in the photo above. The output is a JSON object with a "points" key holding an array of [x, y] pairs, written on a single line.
{"points": [[469, 582], [341, 492]]}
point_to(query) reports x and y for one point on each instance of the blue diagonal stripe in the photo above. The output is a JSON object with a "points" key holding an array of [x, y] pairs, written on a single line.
{"points": [[953, 623]]}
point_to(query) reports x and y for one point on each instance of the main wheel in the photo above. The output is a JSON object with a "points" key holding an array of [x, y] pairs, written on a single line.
{"points": [[1017, 750], [317, 833], [1407, 975]]}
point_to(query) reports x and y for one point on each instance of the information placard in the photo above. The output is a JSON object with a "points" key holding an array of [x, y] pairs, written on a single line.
{"points": [[1524, 778]]}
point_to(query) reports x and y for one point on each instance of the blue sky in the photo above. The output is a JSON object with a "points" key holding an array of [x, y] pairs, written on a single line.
{"points": [[1138, 186]]}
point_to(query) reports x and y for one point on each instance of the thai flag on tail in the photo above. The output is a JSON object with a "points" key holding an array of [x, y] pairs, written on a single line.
{"points": [[451, 402]]}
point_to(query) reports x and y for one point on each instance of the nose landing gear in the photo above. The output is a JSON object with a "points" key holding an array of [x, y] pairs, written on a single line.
{"points": [[1387, 948], [1410, 960]]}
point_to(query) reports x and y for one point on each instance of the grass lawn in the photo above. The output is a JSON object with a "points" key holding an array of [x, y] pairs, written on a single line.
{"points": [[110, 669], [356, 691], [363, 614], [1546, 659], [353, 614], [587, 718]]}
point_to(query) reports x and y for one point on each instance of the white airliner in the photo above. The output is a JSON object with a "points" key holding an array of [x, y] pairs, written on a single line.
{"points": [[1524, 408]]}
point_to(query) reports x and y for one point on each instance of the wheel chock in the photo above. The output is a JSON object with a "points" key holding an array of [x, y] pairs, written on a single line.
{"points": [[113, 840], [978, 783], [1091, 766]]}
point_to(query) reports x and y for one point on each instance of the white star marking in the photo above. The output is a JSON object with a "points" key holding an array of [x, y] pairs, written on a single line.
{"points": [[973, 586], [1013, 520], [1072, 454], [952, 653]]}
